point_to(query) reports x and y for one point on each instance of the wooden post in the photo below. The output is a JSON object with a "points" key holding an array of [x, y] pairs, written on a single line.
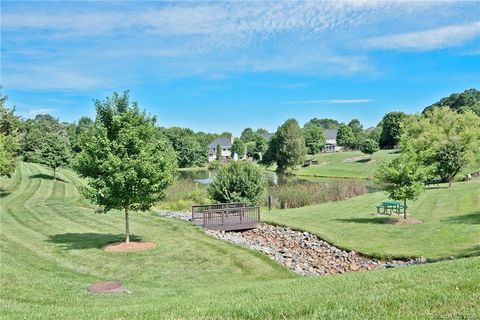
{"points": [[269, 203]]}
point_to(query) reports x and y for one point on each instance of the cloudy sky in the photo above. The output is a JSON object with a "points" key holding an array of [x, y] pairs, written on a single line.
{"points": [[217, 66]]}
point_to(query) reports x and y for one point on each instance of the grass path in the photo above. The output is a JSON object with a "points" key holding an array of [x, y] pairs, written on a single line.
{"points": [[451, 223], [51, 242]]}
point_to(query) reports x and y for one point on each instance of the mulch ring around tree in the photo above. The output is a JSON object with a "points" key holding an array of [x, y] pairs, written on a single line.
{"points": [[107, 287], [401, 221], [128, 247]]}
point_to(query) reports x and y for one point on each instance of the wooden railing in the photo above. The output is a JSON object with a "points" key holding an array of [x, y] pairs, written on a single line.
{"points": [[226, 216]]}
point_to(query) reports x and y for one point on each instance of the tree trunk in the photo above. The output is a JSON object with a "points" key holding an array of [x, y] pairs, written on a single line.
{"points": [[54, 174], [127, 230], [405, 209], [450, 181]]}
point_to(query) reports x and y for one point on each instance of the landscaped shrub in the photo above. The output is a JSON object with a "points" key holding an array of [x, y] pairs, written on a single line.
{"points": [[238, 182], [305, 194]]}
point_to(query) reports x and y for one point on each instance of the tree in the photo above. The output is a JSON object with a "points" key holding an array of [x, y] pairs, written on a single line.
{"points": [[459, 102], [391, 133], [323, 123], [250, 148], [358, 133], [238, 182], [450, 158], [314, 139], [287, 146], [369, 147], [345, 137], [402, 179], [440, 129], [35, 131], [238, 148], [55, 151], [9, 138], [190, 152], [247, 135], [128, 164], [261, 145], [218, 152]]}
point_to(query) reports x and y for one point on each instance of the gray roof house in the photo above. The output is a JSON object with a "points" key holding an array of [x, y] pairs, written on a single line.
{"points": [[331, 140], [225, 146]]}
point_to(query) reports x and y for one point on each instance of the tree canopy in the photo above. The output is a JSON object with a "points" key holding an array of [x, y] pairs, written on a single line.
{"points": [[9, 138], [369, 146], [314, 139], [55, 151], [323, 123], [287, 147], [345, 137], [440, 129], [127, 162], [460, 102], [391, 133]]}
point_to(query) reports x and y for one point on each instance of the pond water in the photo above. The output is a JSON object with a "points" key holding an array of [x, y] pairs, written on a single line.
{"points": [[273, 179]]}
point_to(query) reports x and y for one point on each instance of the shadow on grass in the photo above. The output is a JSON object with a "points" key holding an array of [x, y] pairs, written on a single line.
{"points": [[472, 252], [4, 193], [364, 160], [471, 218], [374, 220], [46, 177], [79, 241]]}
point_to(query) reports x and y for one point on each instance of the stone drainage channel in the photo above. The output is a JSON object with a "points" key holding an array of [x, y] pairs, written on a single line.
{"points": [[301, 252]]}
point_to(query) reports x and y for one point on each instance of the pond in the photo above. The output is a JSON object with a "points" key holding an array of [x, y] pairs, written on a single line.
{"points": [[273, 179]]}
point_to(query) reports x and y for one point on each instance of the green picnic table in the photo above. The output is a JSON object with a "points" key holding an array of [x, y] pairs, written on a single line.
{"points": [[392, 206]]}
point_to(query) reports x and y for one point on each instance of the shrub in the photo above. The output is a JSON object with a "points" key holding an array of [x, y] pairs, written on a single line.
{"points": [[369, 146], [305, 194], [238, 182]]}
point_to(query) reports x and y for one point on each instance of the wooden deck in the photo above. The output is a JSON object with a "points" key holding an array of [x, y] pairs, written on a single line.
{"points": [[228, 216]]}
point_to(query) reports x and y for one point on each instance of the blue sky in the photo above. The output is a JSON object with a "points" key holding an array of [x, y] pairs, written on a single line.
{"points": [[223, 66]]}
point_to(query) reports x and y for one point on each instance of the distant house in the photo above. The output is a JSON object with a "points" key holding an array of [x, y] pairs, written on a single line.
{"points": [[225, 145], [331, 141]]}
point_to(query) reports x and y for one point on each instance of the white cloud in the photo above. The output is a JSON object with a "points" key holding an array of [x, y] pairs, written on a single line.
{"points": [[444, 37], [330, 101]]}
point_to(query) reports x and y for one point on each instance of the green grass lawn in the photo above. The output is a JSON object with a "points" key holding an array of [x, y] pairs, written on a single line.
{"points": [[451, 223], [51, 242], [339, 164]]}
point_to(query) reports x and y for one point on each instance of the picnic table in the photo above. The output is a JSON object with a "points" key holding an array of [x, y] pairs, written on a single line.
{"points": [[390, 207]]}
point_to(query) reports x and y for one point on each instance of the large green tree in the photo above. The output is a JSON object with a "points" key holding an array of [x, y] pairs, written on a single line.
{"points": [[402, 178], [314, 139], [190, 149], [392, 124], [287, 146], [55, 151], [369, 147], [447, 140], [460, 102], [9, 138], [128, 164], [35, 131], [238, 148], [345, 137], [247, 135], [323, 123]]}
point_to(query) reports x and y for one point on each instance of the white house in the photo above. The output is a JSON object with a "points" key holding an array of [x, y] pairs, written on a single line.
{"points": [[331, 141], [225, 145]]}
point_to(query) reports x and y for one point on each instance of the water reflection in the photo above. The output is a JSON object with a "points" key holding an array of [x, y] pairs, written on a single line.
{"points": [[273, 179]]}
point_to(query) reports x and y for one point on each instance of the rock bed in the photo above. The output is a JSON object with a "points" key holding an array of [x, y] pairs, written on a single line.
{"points": [[301, 252]]}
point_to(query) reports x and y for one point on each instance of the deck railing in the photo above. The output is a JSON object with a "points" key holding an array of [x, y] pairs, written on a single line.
{"points": [[232, 216]]}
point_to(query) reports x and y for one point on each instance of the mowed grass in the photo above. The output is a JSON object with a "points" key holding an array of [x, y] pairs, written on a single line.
{"points": [[451, 223], [346, 165], [51, 250]]}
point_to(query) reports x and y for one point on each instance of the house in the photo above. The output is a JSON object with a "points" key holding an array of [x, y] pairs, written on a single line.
{"points": [[331, 141], [225, 147]]}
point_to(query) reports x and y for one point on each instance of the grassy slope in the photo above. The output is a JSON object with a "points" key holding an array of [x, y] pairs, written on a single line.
{"points": [[51, 250], [451, 225], [333, 165]]}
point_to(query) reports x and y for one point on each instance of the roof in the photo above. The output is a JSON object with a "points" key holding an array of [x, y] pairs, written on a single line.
{"points": [[223, 142], [267, 135], [330, 134]]}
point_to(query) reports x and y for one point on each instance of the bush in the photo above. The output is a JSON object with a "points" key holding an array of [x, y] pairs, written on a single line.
{"points": [[238, 182], [305, 194], [369, 146]]}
